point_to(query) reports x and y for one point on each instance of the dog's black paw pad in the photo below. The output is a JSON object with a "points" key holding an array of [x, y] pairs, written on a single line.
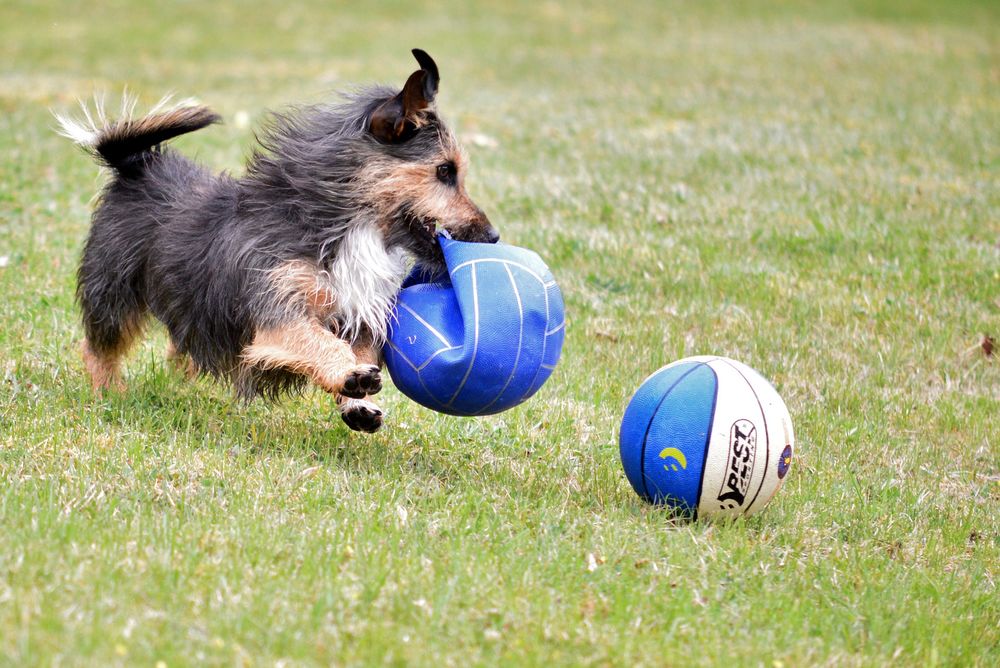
{"points": [[362, 381], [363, 417]]}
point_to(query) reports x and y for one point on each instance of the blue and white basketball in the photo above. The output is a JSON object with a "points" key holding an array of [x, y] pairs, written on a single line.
{"points": [[481, 339], [708, 436]]}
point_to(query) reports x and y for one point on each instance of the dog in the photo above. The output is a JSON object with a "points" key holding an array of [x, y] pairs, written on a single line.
{"points": [[288, 274]]}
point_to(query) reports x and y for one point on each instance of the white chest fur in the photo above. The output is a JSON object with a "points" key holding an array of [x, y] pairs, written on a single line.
{"points": [[366, 278]]}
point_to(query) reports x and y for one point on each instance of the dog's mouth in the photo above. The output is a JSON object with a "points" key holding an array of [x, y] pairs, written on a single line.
{"points": [[421, 238], [424, 232], [424, 228], [428, 226]]}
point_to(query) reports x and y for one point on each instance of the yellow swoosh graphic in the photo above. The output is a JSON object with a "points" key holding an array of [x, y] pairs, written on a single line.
{"points": [[676, 454]]}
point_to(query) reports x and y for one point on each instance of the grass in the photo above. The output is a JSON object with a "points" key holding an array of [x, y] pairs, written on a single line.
{"points": [[809, 187]]}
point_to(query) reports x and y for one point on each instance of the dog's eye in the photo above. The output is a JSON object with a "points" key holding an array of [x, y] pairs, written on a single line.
{"points": [[447, 173]]}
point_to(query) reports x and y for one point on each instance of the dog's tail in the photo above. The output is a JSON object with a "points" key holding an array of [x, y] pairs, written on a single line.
{"points": [[124, 144]]}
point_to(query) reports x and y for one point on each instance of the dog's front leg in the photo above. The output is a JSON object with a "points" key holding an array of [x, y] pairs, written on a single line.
{"points": [[307, 347], [362, 414]]}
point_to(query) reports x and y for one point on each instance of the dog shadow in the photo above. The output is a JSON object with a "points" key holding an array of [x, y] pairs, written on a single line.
{"points": [[203, 413], [494, 456]]}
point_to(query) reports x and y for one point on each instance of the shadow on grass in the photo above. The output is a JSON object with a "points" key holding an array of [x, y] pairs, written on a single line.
{"points": [[205, 413], [502, 459]]}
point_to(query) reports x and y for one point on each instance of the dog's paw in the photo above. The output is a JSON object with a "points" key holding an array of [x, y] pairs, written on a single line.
{"points": [[183, 364], [112, 384], [361, 415], [363, 380]]}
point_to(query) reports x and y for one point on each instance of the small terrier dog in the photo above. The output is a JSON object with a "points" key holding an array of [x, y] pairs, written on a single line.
{"points": [[288, 274]]}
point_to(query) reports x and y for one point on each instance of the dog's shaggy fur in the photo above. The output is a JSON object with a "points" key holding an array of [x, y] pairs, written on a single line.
{"points": [[285, 275]]}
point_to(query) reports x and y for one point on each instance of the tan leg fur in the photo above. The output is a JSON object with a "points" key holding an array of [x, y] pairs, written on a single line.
{"points": [[308, 348]]}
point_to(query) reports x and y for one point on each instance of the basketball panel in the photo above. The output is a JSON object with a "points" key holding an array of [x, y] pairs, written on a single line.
{"points": [[675, 443], [782, 437], [737, 453], [639, 413]]}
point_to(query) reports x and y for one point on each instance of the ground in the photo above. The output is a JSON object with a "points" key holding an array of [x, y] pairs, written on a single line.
{"points": [[811, 188]]}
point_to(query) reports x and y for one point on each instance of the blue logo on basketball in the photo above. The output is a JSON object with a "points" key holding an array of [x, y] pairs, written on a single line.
{"points": [[785, 462], [482, 338]]}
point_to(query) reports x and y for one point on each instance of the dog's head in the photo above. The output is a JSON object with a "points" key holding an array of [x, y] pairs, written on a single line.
{"points": [[417, 183]]}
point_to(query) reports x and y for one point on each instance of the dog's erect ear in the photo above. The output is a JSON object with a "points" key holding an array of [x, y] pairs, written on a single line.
{"points": [[388, 123], [428, 65], [394, 120]]}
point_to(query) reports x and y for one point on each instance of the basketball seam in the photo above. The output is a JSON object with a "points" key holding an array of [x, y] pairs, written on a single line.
{"points": [[767, 436], [708, 439], [652, 416]]}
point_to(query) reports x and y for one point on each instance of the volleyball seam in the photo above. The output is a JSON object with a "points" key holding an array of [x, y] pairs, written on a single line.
{"points": [[520, 342]]}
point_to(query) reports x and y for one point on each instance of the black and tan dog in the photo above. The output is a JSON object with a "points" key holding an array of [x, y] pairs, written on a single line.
{"points": [[288, 274]]}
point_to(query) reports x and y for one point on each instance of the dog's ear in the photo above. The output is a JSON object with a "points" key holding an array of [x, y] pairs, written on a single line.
{"points": [[428, 65], [388, 122], [395, 120]]}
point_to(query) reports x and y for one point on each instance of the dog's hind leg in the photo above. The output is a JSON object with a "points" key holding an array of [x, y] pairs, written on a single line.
{"points": [[112, 304], [110, 287], [308, 348], [181, 361], [107, 341]]}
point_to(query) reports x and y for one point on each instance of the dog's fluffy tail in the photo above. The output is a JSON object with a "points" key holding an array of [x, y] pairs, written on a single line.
{"points": [[122, 144]]}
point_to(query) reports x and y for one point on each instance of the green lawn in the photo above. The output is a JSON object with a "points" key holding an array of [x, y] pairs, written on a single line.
{"points": [[811, 188]]}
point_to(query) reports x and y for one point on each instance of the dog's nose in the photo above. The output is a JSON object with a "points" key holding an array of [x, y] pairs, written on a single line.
{"points": [[485, 232]]}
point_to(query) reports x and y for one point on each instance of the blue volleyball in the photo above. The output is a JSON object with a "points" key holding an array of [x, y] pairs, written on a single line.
{"points": [[707, 435], [482, 338]]}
